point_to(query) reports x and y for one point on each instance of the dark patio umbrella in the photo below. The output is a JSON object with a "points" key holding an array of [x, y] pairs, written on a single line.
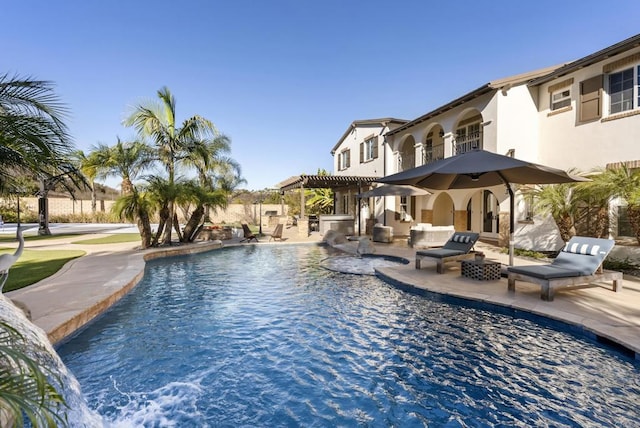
{"points": [[394, 190], [478, 169]]}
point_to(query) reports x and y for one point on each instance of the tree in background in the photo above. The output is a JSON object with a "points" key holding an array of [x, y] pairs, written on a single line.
{"points": [[622, 183], [218, 174], [89, 167], [137, 206], [320, 201], [561, 201], [173, 142], [125, 160]]}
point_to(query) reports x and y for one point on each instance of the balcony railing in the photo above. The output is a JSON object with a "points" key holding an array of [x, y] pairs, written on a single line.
{"points": [[465, 143], [432, 154]]}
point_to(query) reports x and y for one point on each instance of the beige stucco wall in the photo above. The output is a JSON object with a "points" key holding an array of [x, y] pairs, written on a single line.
{"points": [[235, 213], [372, 168], [565, 142]]}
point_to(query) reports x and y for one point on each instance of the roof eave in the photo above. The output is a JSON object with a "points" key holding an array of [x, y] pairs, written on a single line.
{"points": [[601, 55], [384, 122]]}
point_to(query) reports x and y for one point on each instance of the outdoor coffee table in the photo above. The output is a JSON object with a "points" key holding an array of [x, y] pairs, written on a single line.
{"points": [[484, 270]]}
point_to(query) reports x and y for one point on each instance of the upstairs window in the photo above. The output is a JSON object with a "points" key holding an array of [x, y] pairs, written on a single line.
{"points": [[369, 149], [560, 99], [344, 160], [622, 86]]}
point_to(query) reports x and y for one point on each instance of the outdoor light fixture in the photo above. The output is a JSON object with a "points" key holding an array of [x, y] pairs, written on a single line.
{"points": [[441, 133], [475, 176]]}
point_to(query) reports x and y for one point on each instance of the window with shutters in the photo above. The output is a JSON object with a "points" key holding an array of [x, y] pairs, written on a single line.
{"points": [[369, 149], [591, 99], [344, 160]]}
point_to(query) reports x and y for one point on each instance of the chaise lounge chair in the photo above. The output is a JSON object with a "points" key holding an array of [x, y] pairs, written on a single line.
{"points": [[458, 247], [277, 232], [578, 265], [248, 234]]}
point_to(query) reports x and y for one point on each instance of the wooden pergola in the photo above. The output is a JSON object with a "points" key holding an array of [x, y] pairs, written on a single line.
{"points": [[332, 182]]}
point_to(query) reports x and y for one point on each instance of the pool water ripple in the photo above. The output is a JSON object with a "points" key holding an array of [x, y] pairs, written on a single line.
{"points": [[263, 336]]}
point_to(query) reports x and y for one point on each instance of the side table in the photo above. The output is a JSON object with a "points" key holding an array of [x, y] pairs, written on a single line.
{"points": [[484, 270]]}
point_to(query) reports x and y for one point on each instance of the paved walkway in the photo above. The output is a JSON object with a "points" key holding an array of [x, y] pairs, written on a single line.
{"points": [[87, 286]]}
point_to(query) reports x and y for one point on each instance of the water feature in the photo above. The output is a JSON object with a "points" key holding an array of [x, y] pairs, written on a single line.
{"points": [[35, 344], [364, 264], [263, 336]]}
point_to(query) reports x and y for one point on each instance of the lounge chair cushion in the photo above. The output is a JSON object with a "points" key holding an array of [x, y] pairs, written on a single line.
{"points": [[439, 253], [545, 271], [582, 256], [461, 241]]}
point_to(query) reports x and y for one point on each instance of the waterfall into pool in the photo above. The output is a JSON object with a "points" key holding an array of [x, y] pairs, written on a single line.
{"points": [[77, 413]]}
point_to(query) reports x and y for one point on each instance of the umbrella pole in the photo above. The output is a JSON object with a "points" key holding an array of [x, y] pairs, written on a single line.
{"points": [[512, 226], [511, 223]]}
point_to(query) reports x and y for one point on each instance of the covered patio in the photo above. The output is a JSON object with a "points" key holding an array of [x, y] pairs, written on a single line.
{"points": [[341, 183]]}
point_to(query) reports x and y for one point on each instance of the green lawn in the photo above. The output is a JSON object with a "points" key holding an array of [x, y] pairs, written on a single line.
{"points": [[31, 237], [35, 265], [116, 238]]}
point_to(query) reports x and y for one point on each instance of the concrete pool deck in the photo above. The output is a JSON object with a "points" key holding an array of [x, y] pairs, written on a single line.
{"points": [[85, 287]]}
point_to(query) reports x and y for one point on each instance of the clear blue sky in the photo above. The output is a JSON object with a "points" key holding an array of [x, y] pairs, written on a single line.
{"points": [[285, 78]]}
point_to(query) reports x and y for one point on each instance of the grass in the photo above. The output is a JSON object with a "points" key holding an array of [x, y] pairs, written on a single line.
{"points": [[35, 265], [525, 253], [12, 237], [618, 264], [115, 238]]}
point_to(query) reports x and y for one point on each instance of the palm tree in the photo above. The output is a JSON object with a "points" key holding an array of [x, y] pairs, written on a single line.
{"points": [[158, 122], [137, 206], [623, 183], [561, 201], [215, 170], [319, 201], [161, 192], [89, 167], [33, 136], [126, 160], [201, 197]]}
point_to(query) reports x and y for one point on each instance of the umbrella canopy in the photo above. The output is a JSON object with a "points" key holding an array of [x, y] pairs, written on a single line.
{"points": [[478, 169], [394, 190]]}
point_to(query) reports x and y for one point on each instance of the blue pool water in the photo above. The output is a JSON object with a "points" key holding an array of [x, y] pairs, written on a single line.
{"points": [[264, 336]]}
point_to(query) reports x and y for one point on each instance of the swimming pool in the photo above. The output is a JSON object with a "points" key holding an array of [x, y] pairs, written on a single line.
{"points": [[263, 336]]}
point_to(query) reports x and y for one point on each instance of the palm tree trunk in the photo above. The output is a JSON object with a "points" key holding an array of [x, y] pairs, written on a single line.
{"points": [[166, 238], [566, 227], [93, 197], [192, 225], [144, 227], [126, 186], [176, 226], [633, 212]]}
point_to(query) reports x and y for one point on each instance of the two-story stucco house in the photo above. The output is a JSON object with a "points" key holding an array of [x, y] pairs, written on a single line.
{"points": [[361, 152], [581, 115]]}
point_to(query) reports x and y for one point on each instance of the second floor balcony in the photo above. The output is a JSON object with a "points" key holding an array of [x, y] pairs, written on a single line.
{"points": [[432, 153], [468, 142]]}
